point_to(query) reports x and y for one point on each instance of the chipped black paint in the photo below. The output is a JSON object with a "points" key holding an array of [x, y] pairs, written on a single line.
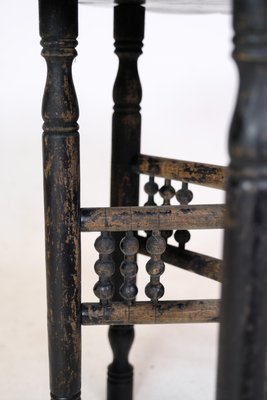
{"points": [[144, 312], [58, 29], [186, 171]]}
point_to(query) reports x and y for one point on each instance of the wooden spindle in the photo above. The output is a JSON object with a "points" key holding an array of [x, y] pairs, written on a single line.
{"points": [[104, 267], [129, 247], [184, 197], [151, 188], [155, 245], [167, 192]]}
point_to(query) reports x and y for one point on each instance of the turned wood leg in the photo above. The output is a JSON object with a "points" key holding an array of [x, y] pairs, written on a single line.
{"points": [[244, 295], [58, 29], [126, 132]]}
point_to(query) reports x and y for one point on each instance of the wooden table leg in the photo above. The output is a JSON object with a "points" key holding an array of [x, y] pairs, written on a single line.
{"points": [[244, 295], [59, 29], [126, 132]]}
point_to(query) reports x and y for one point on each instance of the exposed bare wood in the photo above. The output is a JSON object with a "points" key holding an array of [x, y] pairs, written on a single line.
{"points": [[213, 176], [200, 264], [165, 312], [152, 218]]}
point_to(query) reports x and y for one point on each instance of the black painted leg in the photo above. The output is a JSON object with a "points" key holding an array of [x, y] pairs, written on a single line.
{"points": [[244, 296], [126, 132], [120, 372], [59, 29]]}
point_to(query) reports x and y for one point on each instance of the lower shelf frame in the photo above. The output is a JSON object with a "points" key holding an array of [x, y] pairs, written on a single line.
{"points": [[145, 312]]}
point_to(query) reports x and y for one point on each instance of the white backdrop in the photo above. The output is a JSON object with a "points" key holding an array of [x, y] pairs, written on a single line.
{"points": [[189, 83]]}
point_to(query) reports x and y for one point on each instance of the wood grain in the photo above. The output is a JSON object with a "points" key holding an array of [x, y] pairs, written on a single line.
{"points": [[152, 218], [213, 176], [165, 312]]}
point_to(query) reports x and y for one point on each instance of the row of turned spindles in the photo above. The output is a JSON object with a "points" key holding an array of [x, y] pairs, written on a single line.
{"points": [[155, 245], [104, 267], [184, 196]]}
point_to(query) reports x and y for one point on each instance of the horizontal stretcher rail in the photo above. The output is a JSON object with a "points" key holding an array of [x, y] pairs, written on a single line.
{"points": [[152, 218], [144, 312], [213, 176], [200, 264]]}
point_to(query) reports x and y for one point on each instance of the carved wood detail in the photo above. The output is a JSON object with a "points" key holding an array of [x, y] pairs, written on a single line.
{"points": [[129, 247], [156, 246], [59, 30], [104, 267]]}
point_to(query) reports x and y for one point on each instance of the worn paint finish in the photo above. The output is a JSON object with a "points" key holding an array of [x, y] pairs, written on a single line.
{"points": [[152, 218], [144, 312], [209, 175], [58, 29]]}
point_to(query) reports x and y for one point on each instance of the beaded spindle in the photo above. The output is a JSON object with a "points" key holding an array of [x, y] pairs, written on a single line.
{"points": [[104, 267], [167, 192], [129, 247], [151, 188], [184, 197], [155, 245]]}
